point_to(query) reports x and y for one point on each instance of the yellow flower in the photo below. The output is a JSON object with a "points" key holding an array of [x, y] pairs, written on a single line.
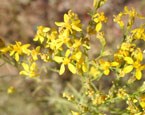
{"points": [[131, 13], [19, 49], [131, 64], [66, 60], [42, 34], [55, 44], [101, 37], [77, 56], [139, 68], [81, 65], [45, 57], [129, 57], [128, 46], [10, 90], [71, 23], [118, 19], [94, 71], [35, 53], [137, 54], [30, 70], [138, 33], [105, 66], [98, 18], [124, 51], [77, 43]]}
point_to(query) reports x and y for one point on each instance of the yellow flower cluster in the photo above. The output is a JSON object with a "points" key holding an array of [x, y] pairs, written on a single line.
{"points": [[68, 46], [132, 15], [129, 57], [64, 46], [139, 33]]}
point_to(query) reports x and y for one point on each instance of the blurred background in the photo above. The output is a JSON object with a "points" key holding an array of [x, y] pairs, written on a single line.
{"points": [[18, 22]]}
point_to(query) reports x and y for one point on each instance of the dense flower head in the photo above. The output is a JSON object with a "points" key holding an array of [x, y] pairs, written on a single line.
{"points": [[130, 57]]}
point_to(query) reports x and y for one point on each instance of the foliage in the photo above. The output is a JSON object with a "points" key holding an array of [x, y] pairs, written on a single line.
{"points": [[68, 46]]}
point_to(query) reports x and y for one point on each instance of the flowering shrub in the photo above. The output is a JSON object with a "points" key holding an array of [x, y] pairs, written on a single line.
{"points": [[68, 46]]}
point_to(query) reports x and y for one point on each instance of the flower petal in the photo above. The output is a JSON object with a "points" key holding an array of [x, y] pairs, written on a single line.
{"points": [[98, 26], [58, 59], [138, 74], [72, 68], [128, 69], [129, 60], [62, 69]]}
